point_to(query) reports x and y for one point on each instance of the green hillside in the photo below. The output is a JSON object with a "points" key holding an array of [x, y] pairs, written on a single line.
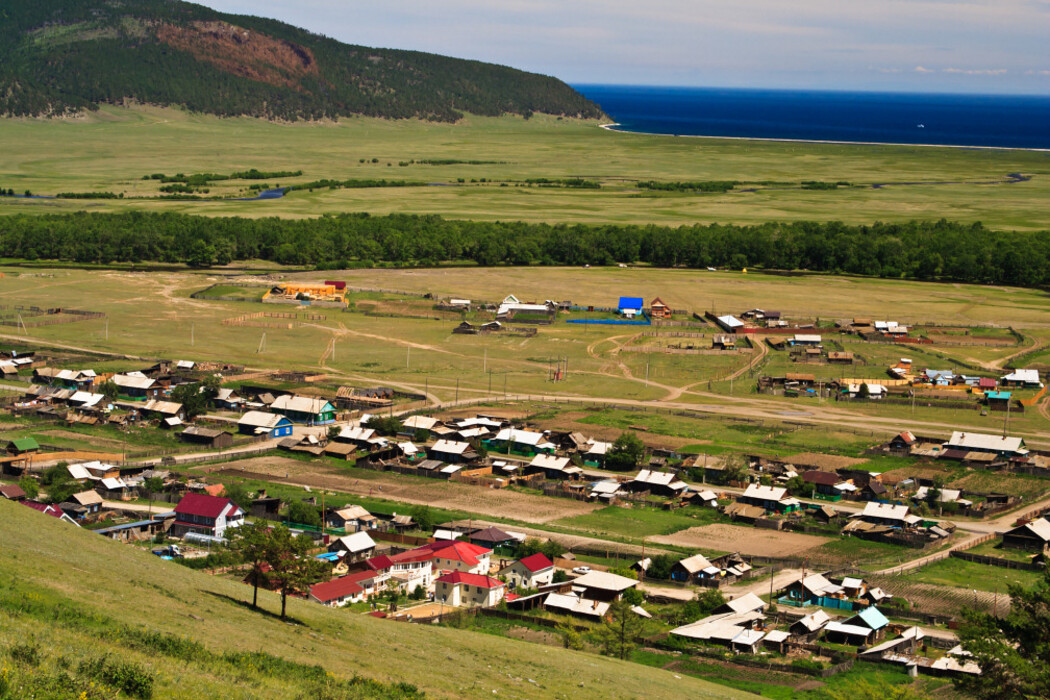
{"points": [[59, 56], [78, 608]]}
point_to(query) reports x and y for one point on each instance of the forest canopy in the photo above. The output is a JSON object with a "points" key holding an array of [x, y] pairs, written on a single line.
{"points": [[926, 250]]}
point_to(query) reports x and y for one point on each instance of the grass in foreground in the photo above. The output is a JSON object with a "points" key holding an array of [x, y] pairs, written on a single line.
{"points": [[121, 587]]}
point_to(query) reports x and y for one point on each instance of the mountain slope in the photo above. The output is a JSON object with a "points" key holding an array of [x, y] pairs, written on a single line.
{"points": [[76, 595], [59, 56]]}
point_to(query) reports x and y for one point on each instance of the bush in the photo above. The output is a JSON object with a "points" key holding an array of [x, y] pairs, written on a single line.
{"points": [[807, 665], [126, 676]]}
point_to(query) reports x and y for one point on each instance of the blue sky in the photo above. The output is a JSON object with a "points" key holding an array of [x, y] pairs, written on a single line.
{"points": [[978, 46]]}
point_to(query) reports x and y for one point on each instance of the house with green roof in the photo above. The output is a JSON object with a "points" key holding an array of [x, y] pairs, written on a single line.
{"points": [[21, 446]]}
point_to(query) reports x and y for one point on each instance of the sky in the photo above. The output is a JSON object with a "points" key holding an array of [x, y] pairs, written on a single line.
{"points": [[964, 46]]}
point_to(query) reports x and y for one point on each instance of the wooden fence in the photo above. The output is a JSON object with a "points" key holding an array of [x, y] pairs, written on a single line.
{"points": [[997, 561]]}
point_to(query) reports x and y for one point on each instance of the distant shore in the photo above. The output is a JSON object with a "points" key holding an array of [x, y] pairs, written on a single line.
{"points": [[612, 127]]}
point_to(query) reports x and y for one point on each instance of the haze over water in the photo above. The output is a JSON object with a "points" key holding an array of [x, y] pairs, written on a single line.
{"points": [[1005, 121]]}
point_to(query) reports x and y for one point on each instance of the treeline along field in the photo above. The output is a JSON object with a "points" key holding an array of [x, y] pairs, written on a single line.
{"points": [[923, 250]]}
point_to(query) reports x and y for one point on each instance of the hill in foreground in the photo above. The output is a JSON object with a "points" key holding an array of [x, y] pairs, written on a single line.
{"points": [[61, 56], [69, 598]]}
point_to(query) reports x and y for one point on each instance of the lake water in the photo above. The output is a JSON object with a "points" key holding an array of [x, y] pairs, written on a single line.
{"points": [[808, 115]]}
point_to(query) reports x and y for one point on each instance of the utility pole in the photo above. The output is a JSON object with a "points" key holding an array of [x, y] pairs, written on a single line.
{"points": [[262, 343], [485, 366], [1006, 423], [457, 390], [408, 357], [192, 335], [107, 328]]}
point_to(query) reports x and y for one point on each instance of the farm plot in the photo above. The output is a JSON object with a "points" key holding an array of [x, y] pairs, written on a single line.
{"points": [[746, 540], [408, 489], [932, 599]]}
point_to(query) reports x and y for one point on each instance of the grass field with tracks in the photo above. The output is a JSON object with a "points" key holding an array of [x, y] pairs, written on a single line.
{"points": [[491, 160]]}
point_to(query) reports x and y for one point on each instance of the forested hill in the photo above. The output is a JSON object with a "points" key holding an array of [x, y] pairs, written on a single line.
{"points": [[60, 56]]}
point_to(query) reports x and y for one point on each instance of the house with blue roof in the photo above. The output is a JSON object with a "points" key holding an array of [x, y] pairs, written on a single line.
{"points": [[631, 306], [867, 626]]}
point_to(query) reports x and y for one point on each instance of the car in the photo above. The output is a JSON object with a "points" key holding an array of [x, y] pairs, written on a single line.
{"points": [[582, 570]]}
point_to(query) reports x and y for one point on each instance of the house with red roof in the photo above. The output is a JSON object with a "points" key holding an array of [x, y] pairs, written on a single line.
{"points": [[409, 569], [469, 590], [206, 515], [531, 572], [352, 588], [53, 511], [12, 492], [452, 555]]}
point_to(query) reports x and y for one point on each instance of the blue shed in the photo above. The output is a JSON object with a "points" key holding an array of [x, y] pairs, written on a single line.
{"points": [[631, 306]]}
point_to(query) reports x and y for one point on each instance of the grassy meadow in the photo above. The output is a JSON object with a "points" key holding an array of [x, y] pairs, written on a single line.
{"points": [[111, 151], [197, 638], [399, 339]]}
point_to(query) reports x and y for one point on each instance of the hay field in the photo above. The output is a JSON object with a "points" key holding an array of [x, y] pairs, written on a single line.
{"points": [[113, 149]]}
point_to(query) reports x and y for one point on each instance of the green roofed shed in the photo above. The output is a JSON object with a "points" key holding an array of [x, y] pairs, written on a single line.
{"points": [[21, 445]]}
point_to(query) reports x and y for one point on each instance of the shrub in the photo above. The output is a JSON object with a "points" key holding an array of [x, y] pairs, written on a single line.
{"points": [[126, 676]]}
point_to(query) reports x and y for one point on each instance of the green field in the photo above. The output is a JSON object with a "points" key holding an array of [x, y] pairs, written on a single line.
{"points": [[111, 151], [399, 339], [196, 636], [957, 573]]}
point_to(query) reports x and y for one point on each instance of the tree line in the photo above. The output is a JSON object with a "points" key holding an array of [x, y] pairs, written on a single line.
{"points": [[924, 250]]}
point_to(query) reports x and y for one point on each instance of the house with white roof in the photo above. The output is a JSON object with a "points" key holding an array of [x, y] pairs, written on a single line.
{"points": [[354, 547], [771, 498], [885, 514], [731, 629], [659, 483], [260, 423], [1033, 536], [310, 410], [605, 490], [1023, 378], [524, 442], [993, 444], [553, 467], [452, 451]]}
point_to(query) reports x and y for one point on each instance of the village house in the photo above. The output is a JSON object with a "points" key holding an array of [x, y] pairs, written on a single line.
{"points": [[457, 556], [724, 341], [807, 629], [414, 424], [522, 442], [353, 548], [65, 378], [452, 452], [304, 409], [629, 307], [212, 437], [658, 309], [1023, 378], [408, 569], [351, 518], [493, 537], [13, 492], [771, 498], [739, 631], [90, 501], [606, 490], [23, 447], [270, 425], [815, 589], [573, 604], [867, 626], [138, 531], [885, 514], [657, 483], [532, 571], [693, 569], [460, 589], [1033, 536], [602, 586], [989, 444], [206, 515], [552, 467], [352, 588], [53, 511], [136, 385]]}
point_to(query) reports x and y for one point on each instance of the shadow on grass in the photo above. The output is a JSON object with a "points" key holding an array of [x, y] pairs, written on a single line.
{"points": [[260, 610]]}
